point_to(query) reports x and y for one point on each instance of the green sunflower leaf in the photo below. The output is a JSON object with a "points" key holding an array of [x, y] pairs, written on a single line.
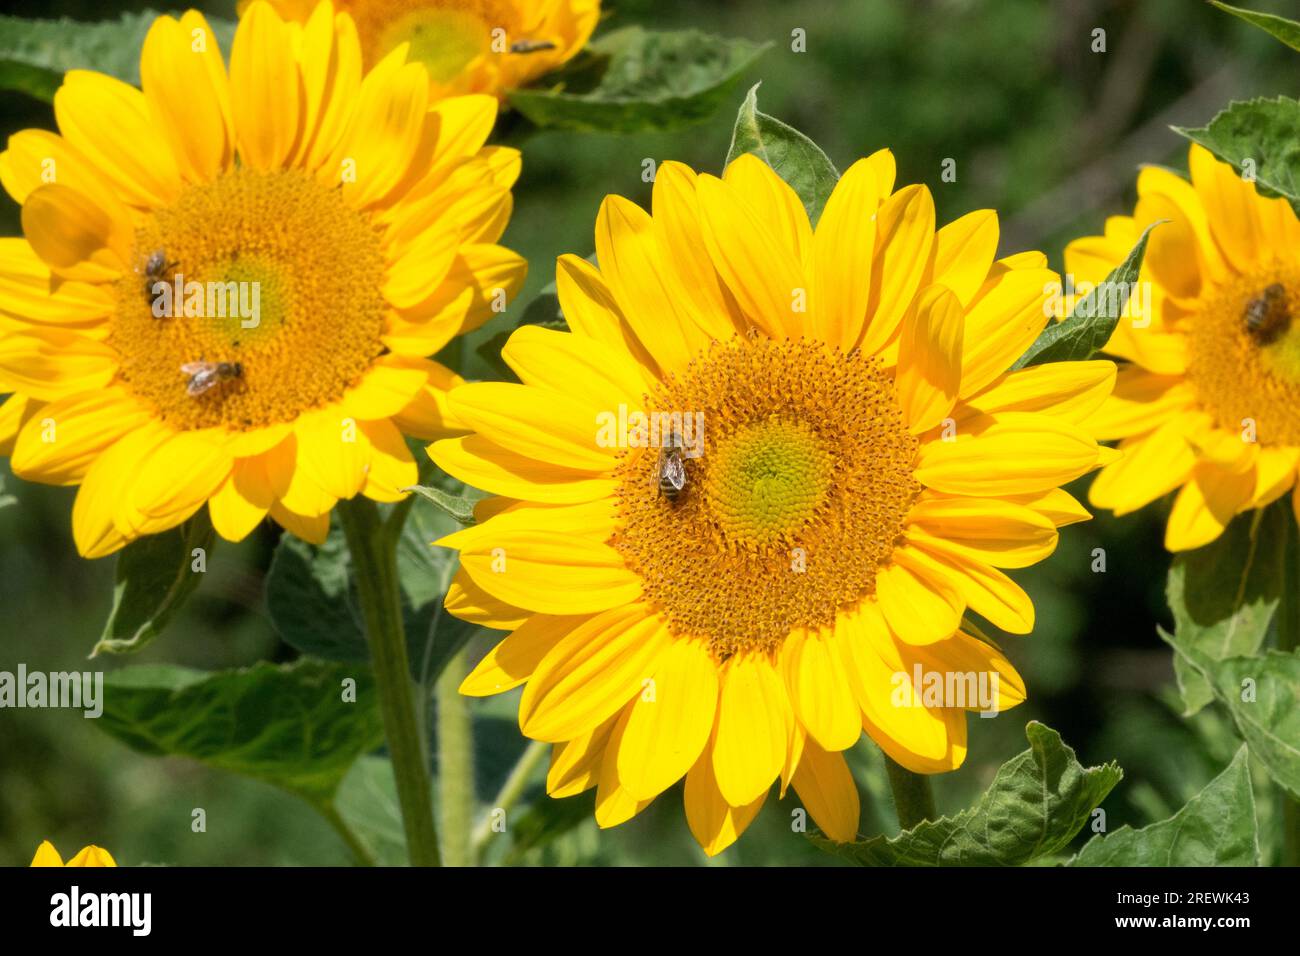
{"points": [[298, 726], [795, 158], [1262, 694], [5, 500], [1288, 31], [1217, 827], [367, 803], [34, 54], [1223, 596], [1094, 317], [1036, 804], [1261, 139], [633, 80], [155, 575]]}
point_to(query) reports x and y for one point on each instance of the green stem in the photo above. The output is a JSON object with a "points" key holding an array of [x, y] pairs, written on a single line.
{"points": [[374, 561], [1288, 639], [455, 764], [359, 850], [913, 798], [511, 790]]}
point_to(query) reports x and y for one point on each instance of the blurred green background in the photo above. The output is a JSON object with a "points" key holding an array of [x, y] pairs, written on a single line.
{"points": [[1041, 128]]}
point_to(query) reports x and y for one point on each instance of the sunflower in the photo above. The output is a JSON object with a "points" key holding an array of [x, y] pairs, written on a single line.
{"points": [[360, 219], [1207, 403], [92, 855], [469, 46], [849, 465]]}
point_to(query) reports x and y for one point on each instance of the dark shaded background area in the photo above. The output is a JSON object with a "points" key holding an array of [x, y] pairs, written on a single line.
{"points": [[1042, 128]]}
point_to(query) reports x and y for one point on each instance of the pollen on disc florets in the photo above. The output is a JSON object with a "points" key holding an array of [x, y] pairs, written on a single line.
{"points": [[796, 499], [1244, 355], [317, 265]]}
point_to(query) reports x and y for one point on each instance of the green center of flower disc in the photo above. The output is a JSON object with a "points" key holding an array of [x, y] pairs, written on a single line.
{"points": [[445, 41], [767, 479]]}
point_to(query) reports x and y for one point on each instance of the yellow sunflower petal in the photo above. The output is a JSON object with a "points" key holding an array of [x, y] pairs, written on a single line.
{"points": [[75, 236], [111, 124], [762, 274], [929, 359], [826, 787], [266, 90], [593, 672], [1205, 505], [1009, 453], [1072, 391], [515, 659], [180, 475], [575, 764], [844, 242], [679, 230], [184, 81], [1005, 535], [920, 608], [1002, 322], [633, 268], [669, 721], [715, 823], [46, 855], [313, 529], [551, 572], [964, 251], [49, 364], [1140, 403], [918, 737], [750, 745], [614, 803], [93, 856], [1151, 466], [984, 589], [537, 422], [821, 696], [484, 464], [58, 446], [469, 602], [94, 512], [904, 242], [603, 377]]}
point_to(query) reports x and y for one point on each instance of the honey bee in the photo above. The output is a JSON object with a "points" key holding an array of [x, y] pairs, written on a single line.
{"points": [[203, 376], [1267, 315], [670, 469], [154, 270], [531, 46]]}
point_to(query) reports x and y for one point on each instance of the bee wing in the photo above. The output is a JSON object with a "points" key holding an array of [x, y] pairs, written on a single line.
{"points": [[194, 368], [673, 472]]}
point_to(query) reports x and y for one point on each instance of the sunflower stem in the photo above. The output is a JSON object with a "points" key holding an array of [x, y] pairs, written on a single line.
{"points": [[913, 798], [373, 548], [1288, 639], [455, 764]]}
